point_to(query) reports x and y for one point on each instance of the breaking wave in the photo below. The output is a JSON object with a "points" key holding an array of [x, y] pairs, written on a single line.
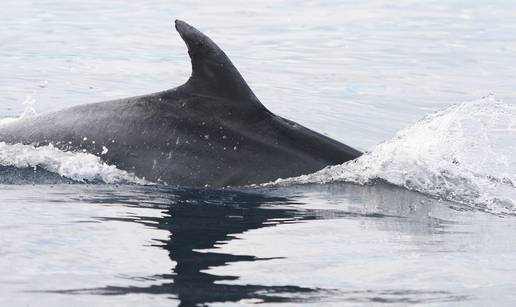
{"points": [[21, 164], [465, 153]]}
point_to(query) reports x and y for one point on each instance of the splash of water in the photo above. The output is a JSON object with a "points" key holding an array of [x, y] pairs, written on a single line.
{"points": [[28, 111], [80, 167], [465, 153]]}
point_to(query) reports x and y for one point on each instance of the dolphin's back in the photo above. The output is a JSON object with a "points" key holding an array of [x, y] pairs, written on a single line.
{"points": [[210, 131]]}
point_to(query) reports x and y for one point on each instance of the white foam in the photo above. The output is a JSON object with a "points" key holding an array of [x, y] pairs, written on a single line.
{"points": [[81, 167], [465, 153]]}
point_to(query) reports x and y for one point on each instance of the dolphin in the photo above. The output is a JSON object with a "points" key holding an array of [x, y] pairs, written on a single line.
{"points": [[210, 131]]}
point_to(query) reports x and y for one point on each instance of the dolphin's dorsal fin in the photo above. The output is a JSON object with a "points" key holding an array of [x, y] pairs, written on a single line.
{"points": [[212, 71]]}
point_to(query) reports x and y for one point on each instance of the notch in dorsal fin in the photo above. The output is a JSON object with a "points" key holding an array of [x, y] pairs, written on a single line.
{"points": [[212, 71]]}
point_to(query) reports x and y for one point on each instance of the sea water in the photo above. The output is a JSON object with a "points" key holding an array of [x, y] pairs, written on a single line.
{"points": [[425, 216]]}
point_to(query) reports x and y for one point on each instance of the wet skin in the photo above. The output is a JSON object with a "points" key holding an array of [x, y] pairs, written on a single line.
{"points": [[210, 131]]}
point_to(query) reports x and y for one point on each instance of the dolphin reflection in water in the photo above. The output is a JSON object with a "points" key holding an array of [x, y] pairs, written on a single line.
{"points": [[199, 220]]}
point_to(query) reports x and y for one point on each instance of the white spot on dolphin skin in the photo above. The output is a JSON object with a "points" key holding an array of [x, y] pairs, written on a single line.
{"points": [[224, 148], [92, 142], [84, 150], [224, 137], [104, 150], [84, 138], [235, 148], [177, 141], [207, 137], [70, 142], [112, 141]]}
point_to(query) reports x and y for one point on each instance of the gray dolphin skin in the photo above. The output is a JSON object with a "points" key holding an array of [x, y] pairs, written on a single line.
{"points": [[210, 131]]}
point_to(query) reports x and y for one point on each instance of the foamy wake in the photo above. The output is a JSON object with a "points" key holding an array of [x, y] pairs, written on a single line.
{"points": [[465, 153], [80, 167]]}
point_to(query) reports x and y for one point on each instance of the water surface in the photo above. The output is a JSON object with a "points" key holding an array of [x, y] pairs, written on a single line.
{"points": [[425, 218]]}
